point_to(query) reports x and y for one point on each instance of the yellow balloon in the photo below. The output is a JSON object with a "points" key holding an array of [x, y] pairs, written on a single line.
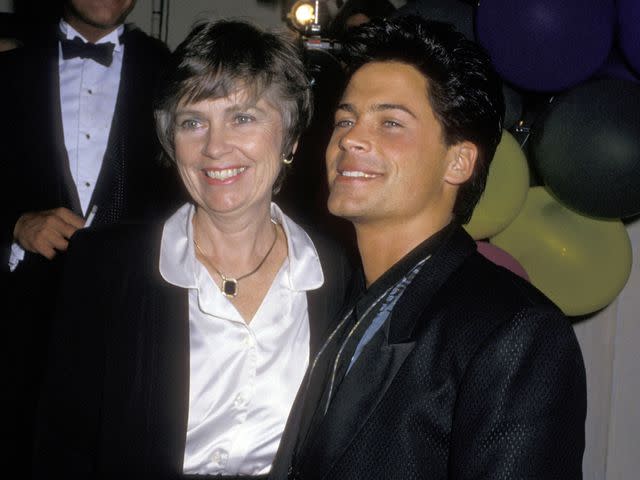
{"points": [[505, 193], [579, 262]]}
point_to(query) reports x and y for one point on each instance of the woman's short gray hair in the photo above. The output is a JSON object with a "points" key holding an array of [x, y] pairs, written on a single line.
{"points": [[220, 57]]}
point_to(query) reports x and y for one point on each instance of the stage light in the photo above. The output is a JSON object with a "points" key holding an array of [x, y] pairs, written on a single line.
{"points": [[301, 14], [304, 13], [309, 18]]}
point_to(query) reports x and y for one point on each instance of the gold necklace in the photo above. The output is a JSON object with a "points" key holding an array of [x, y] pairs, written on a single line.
{"points": [[229, 286]]}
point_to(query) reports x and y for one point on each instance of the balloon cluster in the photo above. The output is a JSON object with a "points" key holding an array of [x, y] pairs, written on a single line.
{"points": [[556, 199]]}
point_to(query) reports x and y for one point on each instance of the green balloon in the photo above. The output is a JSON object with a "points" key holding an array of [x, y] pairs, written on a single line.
{"points": [[505, 193], [586, 148], [579, 262]]}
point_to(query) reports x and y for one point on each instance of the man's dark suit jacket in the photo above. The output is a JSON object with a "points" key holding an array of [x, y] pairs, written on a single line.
{"points": [[131, 186], [115, 404], [475, 375]]}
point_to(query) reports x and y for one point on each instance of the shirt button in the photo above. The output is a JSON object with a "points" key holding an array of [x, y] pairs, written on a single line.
{"points": [[87, 184], [87, 135], [240, 400], [219, 457], [90, 92], [248, 341]]}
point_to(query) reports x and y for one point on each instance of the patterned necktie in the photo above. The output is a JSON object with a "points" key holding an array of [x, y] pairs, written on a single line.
{"points": [[99, 52]]}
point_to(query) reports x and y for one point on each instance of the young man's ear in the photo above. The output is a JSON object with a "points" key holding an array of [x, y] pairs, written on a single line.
{"points": [[463, 160]]}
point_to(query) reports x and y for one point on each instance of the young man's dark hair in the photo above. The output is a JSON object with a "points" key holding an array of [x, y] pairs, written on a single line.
{"points": [[464, 90]]}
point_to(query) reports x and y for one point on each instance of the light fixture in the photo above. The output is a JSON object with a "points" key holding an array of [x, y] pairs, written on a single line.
{"points": [[301, 14], [304, 13], [310, 18], [304, 16]]}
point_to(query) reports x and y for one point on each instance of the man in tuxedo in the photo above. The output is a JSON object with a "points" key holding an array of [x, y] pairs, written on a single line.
{"points": [[444, 365], [78, 146]]}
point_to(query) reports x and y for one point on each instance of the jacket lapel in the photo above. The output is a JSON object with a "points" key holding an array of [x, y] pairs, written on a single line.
{"points": [[435, 272], [68, 195], [109, 193], [370, 377], [308, 396], [356, 398], [323, 306]]}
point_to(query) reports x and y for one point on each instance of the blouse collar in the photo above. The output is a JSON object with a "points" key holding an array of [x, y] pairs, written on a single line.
{"points": [[178, 259]]}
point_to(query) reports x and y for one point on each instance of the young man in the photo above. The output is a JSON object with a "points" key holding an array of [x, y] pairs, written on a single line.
{"points": [[444, 366], [77, 134]]}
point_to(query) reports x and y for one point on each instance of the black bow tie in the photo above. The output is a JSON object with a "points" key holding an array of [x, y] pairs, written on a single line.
{"points": [[100, 52]]}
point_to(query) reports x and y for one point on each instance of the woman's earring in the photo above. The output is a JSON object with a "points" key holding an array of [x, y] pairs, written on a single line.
{"points": [[287, 160]]}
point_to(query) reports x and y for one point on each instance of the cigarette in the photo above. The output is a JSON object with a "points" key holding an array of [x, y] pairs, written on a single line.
{"points": [[92, 214]]}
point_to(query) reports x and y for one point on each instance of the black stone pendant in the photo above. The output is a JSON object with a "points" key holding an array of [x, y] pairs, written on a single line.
{"points": [[229, 287]]}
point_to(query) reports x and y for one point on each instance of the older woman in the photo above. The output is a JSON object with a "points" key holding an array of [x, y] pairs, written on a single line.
{"points": [[180, 348]]}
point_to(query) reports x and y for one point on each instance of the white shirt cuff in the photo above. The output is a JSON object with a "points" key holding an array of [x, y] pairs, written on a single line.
{"points": [[17, 255]]}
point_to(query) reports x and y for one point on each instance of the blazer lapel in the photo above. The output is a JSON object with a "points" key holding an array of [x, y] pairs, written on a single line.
{"points": [[370, 377], [323, 306], [325, 343], [434, 273], [303, 409], [355, 400], [109, 193], [68, 194]]}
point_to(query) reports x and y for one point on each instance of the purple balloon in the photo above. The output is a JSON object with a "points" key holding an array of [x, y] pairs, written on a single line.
{"points": [[629, 21], [546, 45], [615, 66]]}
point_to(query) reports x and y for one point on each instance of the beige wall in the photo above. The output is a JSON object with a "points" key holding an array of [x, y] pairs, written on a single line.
{"points": [[184, 13]]}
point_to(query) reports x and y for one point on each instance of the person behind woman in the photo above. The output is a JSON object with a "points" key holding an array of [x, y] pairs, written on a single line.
{"points": [[183, 345]]}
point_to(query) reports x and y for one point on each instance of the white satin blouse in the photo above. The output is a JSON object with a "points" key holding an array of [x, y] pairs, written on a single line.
{"points": [[243, 378]]}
